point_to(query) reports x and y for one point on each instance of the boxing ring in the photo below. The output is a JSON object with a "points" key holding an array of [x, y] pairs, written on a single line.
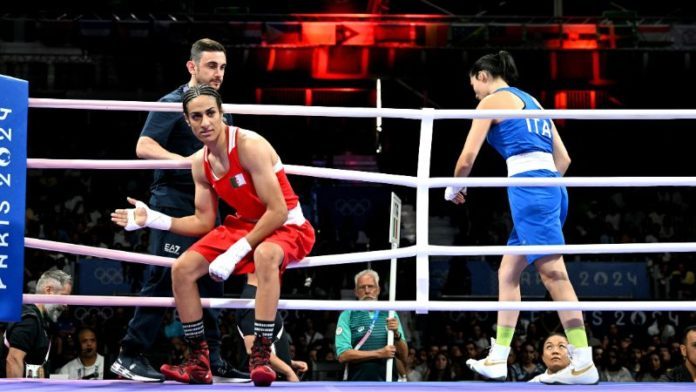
{"points": [[320, 386], [422, 250]]}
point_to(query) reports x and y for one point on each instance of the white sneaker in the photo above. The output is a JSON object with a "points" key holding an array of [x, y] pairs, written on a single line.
{"points": [[582, 371], [494, 366]]}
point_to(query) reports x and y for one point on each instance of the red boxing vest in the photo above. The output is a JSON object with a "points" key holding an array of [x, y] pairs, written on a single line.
{"points": [[236, 187]]}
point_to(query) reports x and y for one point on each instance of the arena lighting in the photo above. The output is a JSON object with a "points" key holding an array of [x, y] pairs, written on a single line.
{"points": [[340, 62], [575, 37], [575, 99]]}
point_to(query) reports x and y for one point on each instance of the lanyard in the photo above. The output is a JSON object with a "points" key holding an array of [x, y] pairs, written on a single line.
{"points": [[362, 341], [369, 331]]}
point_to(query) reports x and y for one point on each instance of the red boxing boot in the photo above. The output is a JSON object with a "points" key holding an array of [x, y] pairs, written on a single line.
{"points": [[195, 370], [260, 362]]}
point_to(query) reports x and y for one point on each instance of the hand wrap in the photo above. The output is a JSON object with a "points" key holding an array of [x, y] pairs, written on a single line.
{"points": [[154, 219]]}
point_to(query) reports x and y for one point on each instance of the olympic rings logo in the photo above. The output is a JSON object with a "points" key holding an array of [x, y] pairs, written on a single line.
{"points": [[352, 206], [108, 275], [82, 312]]}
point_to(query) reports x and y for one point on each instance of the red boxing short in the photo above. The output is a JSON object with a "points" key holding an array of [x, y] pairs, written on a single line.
{"points": [[296, 242]]}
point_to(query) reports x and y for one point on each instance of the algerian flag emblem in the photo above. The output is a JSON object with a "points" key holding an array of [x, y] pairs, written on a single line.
{"points": [[237, 180]]}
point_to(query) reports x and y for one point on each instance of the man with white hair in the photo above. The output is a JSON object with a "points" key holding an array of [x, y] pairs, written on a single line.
{"points": [[26, 342], [361, 336]]}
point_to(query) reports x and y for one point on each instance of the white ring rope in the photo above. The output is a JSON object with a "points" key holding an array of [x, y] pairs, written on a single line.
{"points": [[422, 182], [414, 114], [276, 110], [410, 251], [319, 172], [460, 306], [439, 182], [392, 179], [106, 164], [120, 255], [103, 253], [101, 164]]}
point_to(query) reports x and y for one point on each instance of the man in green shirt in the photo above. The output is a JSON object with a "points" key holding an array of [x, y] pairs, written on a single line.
{"points": [[361, 335]]}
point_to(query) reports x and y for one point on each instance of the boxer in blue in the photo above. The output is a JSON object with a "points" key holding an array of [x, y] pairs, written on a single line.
{"points": [[531, 148]]}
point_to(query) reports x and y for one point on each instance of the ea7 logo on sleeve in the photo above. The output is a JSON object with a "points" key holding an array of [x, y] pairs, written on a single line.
{"points": [[172, 248]]}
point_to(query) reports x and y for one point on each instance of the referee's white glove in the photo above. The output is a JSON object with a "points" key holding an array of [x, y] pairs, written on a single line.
{"points": [[223, 265], [452, 192], [153, 219]]}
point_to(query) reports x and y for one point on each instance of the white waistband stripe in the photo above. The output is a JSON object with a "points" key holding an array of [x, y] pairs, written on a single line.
{"points": [[536, 160]]}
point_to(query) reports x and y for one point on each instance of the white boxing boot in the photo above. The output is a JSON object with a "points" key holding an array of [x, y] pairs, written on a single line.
{"points": [[581, 371], [494, 366]]}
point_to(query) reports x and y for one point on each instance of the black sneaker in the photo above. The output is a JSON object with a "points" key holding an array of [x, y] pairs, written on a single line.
{"points": [[224, 373], [136, 368]]}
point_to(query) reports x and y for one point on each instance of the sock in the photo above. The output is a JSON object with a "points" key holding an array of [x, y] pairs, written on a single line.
{"points": [[503, 335], [194, 331], [264, 328], [577, 337]]}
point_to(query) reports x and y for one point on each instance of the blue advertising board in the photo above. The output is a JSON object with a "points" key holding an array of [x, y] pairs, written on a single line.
{"points": [[102, 277], [14, 102], [591, 279]]}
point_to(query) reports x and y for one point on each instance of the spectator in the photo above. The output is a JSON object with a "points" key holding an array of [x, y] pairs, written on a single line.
{"points": [[412, 374], [312, 336], [440, 369], [361, 336], [89, 365], [471, 352], [686, 372], [528, 367], [613, 368], [636, 361], [421, 362], [554, 355], [652, 370]]}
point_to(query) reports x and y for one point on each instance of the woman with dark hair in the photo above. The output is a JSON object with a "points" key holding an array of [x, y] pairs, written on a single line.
{"points": [[554, 354], [531, 147], [528, 366], [440, 369], [652, 369]]}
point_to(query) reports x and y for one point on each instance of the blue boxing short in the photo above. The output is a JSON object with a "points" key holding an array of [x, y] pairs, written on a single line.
{"points": [[538, 213]]}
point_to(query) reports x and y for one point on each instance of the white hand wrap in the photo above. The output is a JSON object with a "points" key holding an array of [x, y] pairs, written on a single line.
{"points": [[224, 264], [154, 219], [451, 192]]}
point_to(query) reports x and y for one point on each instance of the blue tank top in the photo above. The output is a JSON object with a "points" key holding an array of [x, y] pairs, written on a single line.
{"points": [[519, 135]]}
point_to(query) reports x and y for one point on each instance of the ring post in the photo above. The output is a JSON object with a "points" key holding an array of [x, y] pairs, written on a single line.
{"points": [[14, 104]]}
